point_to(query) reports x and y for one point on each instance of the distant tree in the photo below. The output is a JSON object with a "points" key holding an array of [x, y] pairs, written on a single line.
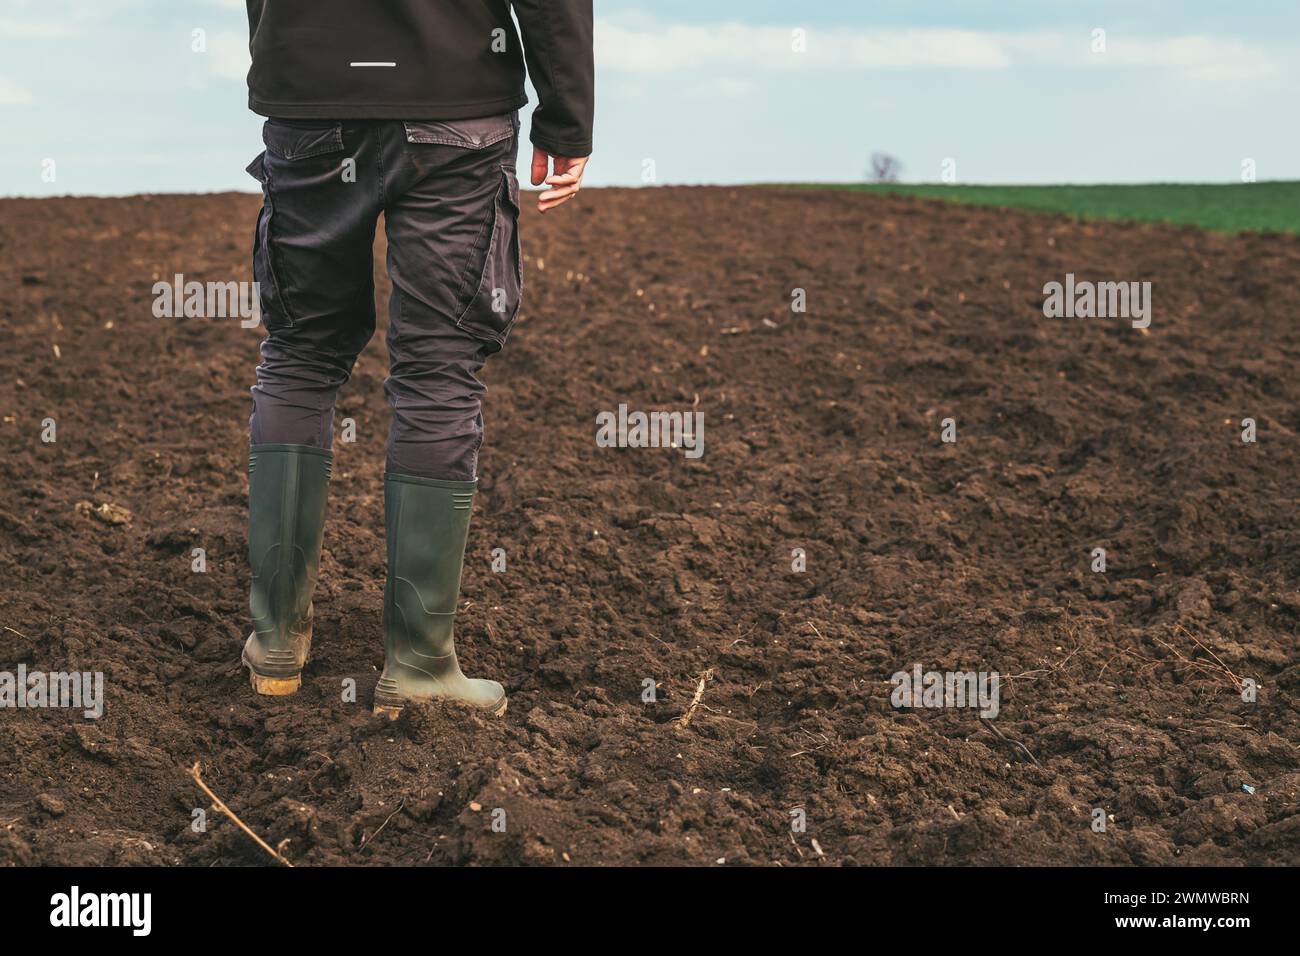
{"points": [[884, 168]]}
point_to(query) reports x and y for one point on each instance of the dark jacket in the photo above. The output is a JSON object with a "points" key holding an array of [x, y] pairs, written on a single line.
{"points": [[440, 60]]}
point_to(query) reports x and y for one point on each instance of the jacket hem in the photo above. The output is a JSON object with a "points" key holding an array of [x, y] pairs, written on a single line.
{"points": [[401, 111]]}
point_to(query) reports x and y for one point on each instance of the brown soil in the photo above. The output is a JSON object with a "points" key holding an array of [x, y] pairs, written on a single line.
{"points": [[822, 433]]}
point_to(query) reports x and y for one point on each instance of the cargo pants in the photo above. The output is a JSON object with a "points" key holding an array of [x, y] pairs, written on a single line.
{"points": [[449, 194]]}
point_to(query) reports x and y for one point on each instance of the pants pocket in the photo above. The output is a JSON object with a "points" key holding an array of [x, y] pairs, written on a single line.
{"points": [[300, 161], [467, 134], [270, 300], [489, 298]]}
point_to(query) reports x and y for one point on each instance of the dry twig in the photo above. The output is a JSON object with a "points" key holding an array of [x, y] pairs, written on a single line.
{"points": [[1040, 671], [366, 843], [1216, 670], [220, 805], [1236, 681], [699, 695], [1014, 743], [1201, 667]]}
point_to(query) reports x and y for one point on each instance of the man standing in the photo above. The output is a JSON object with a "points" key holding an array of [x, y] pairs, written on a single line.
{"points": [[406, 108]]}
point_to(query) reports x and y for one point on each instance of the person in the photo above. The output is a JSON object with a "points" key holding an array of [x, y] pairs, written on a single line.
{"points": [[407, 108]]}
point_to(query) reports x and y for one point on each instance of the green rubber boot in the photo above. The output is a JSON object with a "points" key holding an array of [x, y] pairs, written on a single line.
{"points": [[427, 522], [287, 485]]}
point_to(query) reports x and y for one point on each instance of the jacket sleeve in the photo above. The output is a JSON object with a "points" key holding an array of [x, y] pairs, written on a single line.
{"points": [[558, 49]]}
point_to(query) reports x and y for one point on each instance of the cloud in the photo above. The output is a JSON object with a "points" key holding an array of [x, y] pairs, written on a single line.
{"points": [[27, 29], [728, 87], [1206, 58], [41, 19], [11, 94], [642, 45], [228, 55]]}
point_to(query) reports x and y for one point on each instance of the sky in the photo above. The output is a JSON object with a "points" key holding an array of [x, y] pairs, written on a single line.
{"points": [[720, 91]]}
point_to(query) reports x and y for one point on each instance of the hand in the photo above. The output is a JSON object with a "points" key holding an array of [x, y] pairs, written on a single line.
{"points": [[564, 182]]}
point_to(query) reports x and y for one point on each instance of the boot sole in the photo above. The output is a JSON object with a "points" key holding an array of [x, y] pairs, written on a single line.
{"points": [[392, 713], [272, 686], [280, 686], [276, 686]]}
